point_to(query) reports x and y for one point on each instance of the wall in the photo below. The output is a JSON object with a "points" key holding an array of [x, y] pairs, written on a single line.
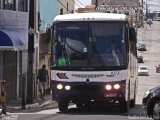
{"points": [[13, 20]]}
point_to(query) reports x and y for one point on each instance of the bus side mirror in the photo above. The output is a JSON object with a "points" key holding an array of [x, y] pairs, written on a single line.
{"points": [[132, 34], [48, 34]]}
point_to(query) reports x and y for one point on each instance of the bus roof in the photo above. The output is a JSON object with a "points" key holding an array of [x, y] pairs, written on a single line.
{"points": [[91, 17]]}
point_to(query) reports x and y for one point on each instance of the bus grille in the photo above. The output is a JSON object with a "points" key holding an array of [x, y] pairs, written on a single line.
{"points": [[87, 75], [87, 88]]}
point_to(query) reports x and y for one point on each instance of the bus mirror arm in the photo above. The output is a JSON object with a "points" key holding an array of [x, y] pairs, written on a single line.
{"points": [[132, 34]]}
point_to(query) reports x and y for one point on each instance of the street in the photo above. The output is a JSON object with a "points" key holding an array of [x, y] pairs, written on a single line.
{"points": [[149, 36]]}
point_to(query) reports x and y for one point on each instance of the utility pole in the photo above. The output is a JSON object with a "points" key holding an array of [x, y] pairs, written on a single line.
{"points": [[96, 3], [146, 9], [30, 53], [142, 3]]}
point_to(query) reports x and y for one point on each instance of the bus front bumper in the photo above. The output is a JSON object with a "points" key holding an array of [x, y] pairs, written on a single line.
{"points": [[81, 92]]}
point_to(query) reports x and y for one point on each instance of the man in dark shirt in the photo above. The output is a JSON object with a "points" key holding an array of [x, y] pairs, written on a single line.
{"points": [[43, 78]]}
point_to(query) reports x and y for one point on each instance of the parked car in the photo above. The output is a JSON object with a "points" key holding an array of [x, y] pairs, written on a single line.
{"points": [[140, 59], [141, 47], [143, 70], [151, 103], [149, 21], [157, 69]]}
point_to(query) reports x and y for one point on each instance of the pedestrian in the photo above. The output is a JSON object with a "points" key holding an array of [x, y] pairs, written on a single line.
{"points": [[42, 80]]}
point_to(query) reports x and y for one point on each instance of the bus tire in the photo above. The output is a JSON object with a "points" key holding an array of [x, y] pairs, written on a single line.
{"points": [[133, 101], [63, 106], [124, 106]]}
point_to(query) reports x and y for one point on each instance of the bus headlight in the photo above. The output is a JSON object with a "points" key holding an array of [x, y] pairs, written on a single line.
{"points": [[67, 87], [108, 87], [116, 86], [59, 86]]}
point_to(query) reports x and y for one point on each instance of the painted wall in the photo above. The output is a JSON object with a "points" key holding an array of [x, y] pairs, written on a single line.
{"points": [[48, 10]]}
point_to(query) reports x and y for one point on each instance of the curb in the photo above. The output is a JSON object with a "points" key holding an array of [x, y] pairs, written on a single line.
{"points": [[32, 106], [47, 103]]}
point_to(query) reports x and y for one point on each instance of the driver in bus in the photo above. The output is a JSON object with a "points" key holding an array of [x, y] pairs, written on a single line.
{"points": [[112, 53]]}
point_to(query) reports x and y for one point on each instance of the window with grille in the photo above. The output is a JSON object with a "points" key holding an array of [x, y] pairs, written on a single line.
{"points": [[9, 4], [23, 5]]}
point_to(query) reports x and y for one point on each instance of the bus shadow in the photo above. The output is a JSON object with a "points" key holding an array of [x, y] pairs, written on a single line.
{"points": [[106, 110], [96, 110]]}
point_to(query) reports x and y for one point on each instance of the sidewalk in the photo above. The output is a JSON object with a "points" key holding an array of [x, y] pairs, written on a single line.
{"points": [[38, 104]]}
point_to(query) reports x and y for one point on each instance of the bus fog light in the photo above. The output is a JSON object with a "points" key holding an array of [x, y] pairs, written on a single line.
{"points": [[67, 87], [59, 86], [116, 86], [108, 87]]}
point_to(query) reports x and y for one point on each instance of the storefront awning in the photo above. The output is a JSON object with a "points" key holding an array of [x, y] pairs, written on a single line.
{"points": [[13, 40]]}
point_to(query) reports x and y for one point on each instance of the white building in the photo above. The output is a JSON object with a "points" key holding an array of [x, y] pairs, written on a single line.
{"points": [[13, 45], [128, 7]]}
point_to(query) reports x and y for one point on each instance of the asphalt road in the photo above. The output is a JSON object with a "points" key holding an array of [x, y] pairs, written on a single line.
{"points": [[148, 35]]}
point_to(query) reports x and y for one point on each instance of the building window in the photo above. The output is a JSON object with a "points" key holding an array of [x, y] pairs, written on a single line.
{"points": [[114, 11], [9, 4], [126, 12], [61, 11], [0, 4], [136, 11], [23, 5]]}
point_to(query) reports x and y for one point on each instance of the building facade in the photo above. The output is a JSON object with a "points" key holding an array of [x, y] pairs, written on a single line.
{"points": [[14, 22], [129, 7], [13, 44], [65, 6]]}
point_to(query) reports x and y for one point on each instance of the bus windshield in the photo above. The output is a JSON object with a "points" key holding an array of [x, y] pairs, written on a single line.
{"points": [[89, 45]]}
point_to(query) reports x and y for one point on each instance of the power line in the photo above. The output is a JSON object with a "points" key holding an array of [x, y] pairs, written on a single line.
{"points": [[81, 3], [64, 6], [76, 3]]}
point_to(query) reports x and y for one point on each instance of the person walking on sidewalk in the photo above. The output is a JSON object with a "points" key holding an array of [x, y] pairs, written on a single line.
{"points": [[43, 80]]}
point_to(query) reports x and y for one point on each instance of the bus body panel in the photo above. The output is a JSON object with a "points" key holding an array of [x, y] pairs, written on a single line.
{"points": [[93, 76]]}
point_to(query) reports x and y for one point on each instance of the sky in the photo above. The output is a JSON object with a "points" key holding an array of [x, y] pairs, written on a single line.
{"points": [[84, 2]]}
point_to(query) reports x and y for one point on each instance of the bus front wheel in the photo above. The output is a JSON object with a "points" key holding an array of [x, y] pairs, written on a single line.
{"points": [[63, 106], [124, 106]]}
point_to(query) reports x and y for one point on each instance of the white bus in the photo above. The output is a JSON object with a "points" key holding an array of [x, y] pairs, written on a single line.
{"points": [[86, 67]]}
